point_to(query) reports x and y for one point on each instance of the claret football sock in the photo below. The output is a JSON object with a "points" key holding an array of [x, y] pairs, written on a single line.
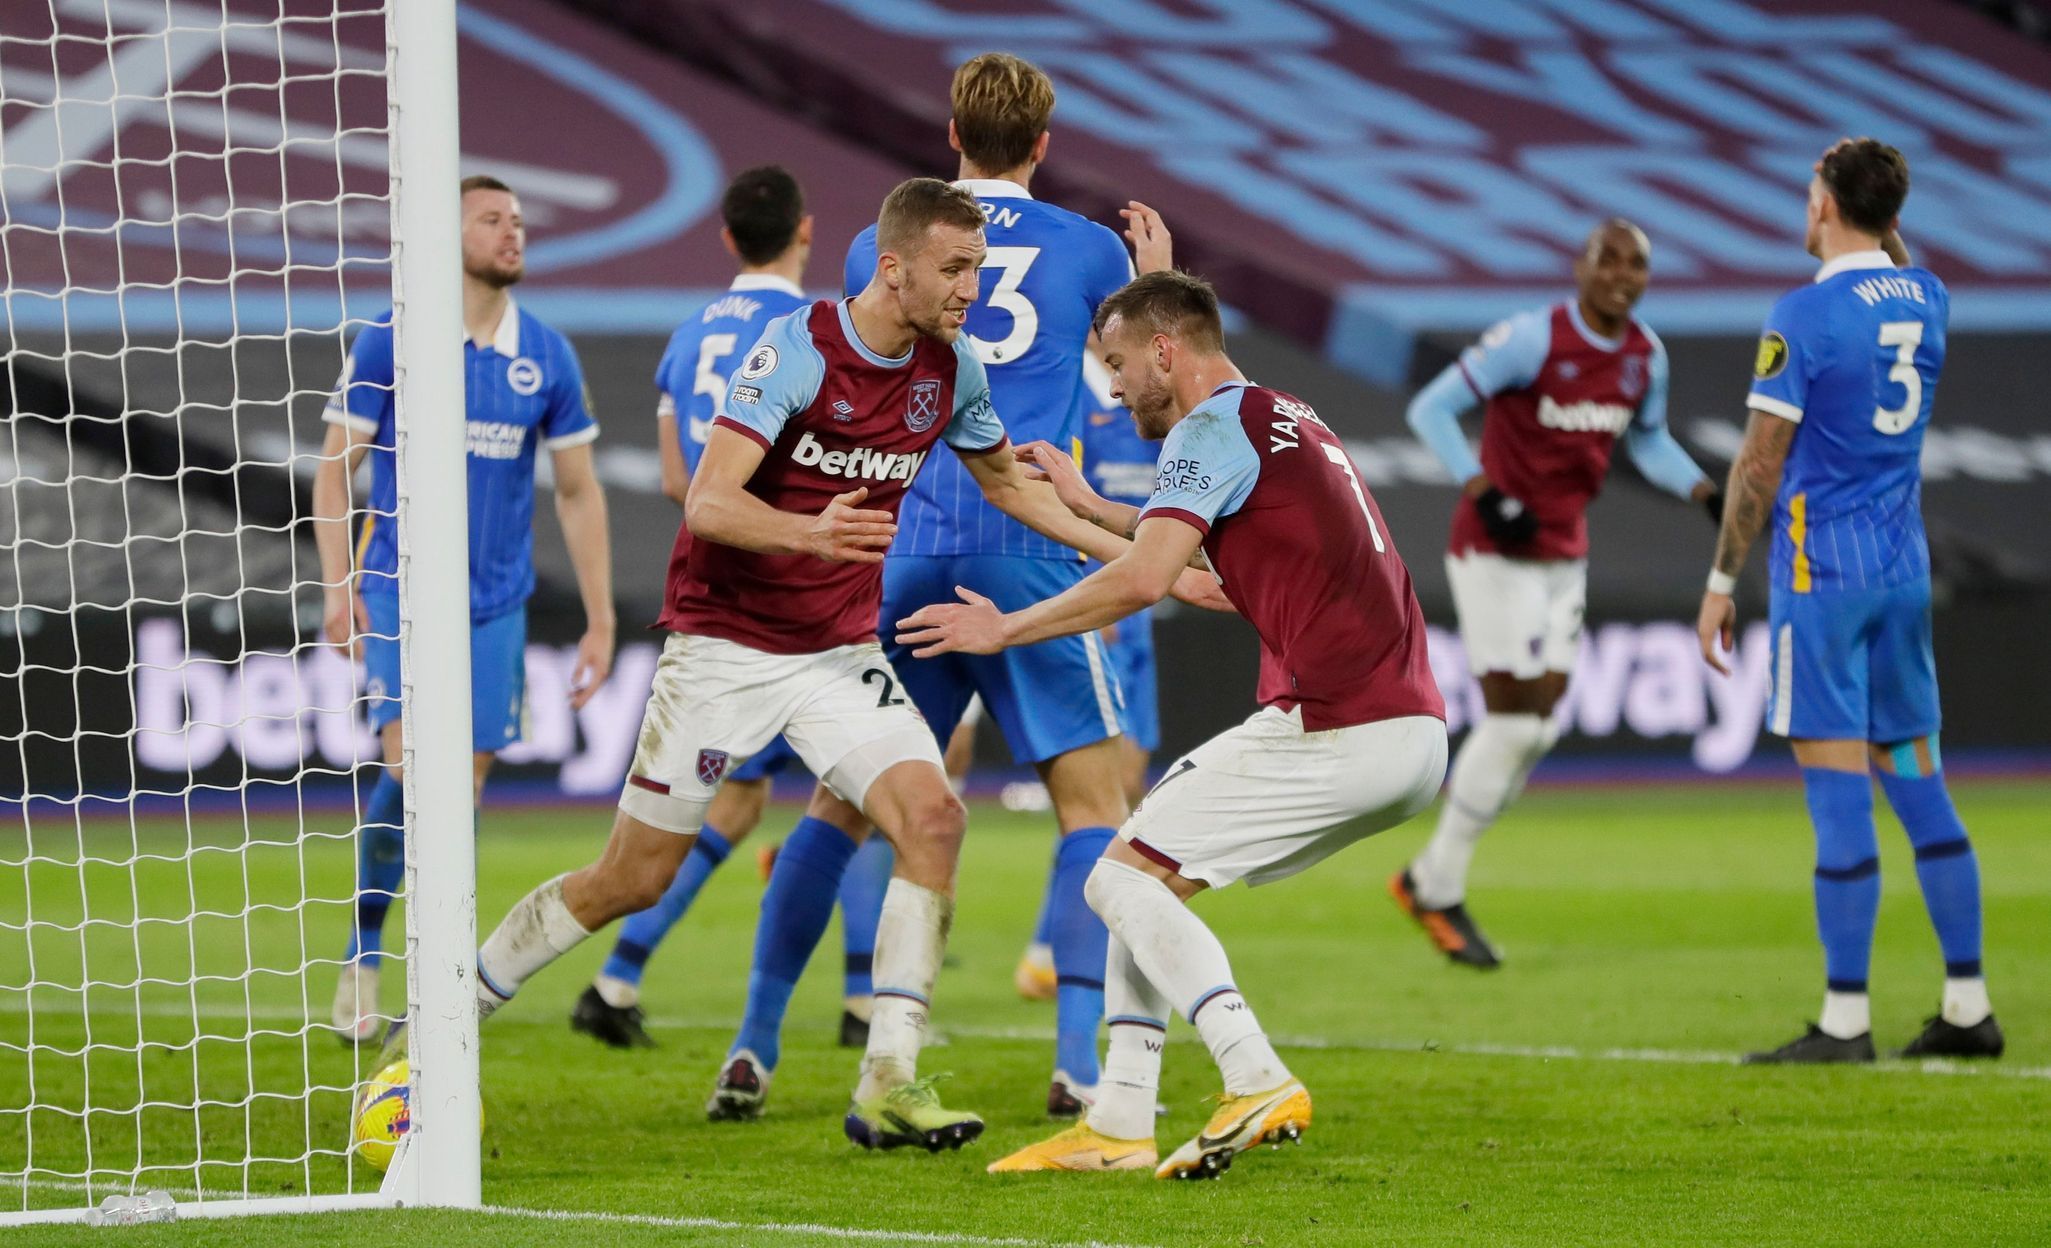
{"points": [[1079, 949], [535, 932], [910, 941]]}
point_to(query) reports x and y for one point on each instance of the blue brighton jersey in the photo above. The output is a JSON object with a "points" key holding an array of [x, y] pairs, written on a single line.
{"points": [[1853, 358], [706, 349], [1046, 271], [523, 390]]}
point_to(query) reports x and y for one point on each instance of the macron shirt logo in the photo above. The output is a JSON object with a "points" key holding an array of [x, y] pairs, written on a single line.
{"points": [[860, 464]]}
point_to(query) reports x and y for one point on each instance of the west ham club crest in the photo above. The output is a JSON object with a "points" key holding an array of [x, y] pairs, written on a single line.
{"points": [[924, 407], [712, 766], [1632, 380]]}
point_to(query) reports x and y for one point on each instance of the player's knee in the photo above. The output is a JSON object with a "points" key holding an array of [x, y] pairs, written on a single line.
{"points": [[936, 821], [1100, 887]]}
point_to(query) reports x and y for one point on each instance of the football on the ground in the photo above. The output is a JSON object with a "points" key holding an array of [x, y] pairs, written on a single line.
{"points": [[384, 1110]]}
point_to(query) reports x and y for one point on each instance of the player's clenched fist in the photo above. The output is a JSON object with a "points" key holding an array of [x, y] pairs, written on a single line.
{"points": [[844, 533]]}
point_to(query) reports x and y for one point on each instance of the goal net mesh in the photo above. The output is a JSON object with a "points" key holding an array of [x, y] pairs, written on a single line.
{"points": [[195, 218]]}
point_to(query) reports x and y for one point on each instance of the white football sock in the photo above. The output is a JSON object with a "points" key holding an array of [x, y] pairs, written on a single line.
{"points": [[1130, 1086], [911, 937], [1183, 960], [616, 992], [535, 932], [1846, 1015], [1965, 1002], [1488, 773]]}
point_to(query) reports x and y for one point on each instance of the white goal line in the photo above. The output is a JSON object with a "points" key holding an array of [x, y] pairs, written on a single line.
{"points": [[225, 1205], [1477, 1048]]}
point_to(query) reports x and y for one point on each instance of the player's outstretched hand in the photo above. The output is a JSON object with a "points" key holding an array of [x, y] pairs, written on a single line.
{"points": [[1716, 626], [844, 533], [1153, 248], [593, 665], [972, 626], [345, 620], [1043, 461], [1199, 588]]}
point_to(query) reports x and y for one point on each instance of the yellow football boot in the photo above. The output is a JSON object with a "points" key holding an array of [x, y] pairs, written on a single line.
{"points": [[1034, 976], [1080, 1148], [1240, 1123]]}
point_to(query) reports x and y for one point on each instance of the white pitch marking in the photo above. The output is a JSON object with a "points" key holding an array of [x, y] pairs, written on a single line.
{"points": [[800, 1228], [817, 1229], [1479, 1048]]}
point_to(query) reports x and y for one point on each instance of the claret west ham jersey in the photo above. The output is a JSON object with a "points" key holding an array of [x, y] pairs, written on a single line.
{"points": [[1301, 549], [831, 415], [1559, 395], [1046, 271]]}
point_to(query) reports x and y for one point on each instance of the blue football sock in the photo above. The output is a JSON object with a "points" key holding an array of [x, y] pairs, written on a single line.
{"points": [[642, 932], [861, 908], [795, 911], [1945, 864], [1081, 944], [380, 866], [1043, 932], [1847, 872]]}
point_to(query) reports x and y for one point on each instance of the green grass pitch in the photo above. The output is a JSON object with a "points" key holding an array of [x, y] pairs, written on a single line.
{"points": [[1576, 1096]]}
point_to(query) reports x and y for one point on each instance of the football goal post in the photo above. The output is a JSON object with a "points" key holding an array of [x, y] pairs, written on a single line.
{"points": [[202, 203]]}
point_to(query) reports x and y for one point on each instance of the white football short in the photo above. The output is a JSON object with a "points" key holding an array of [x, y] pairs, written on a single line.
{"points": [[1521, 616], [715, 702], [1265, 799]]}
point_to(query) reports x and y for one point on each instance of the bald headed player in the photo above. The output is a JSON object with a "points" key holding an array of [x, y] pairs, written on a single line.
{"points": [[772, 601], [1561, 385], [1350, 739]]}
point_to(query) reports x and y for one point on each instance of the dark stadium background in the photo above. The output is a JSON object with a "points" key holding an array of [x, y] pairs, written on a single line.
{"points": [[1368, 194]]}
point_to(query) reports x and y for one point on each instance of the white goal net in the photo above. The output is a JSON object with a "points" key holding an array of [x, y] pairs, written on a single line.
{"points": [[201, 202]]}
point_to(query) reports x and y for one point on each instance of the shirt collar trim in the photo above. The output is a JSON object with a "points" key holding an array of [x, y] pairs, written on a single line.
{"points": [[1589, 336], [994, 188], [1854, 260], [766, 281], [506, 338], [847, 329]]}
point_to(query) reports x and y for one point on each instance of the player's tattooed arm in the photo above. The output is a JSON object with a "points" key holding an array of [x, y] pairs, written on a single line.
{"points": [[1754, 483], [1748, 504]]}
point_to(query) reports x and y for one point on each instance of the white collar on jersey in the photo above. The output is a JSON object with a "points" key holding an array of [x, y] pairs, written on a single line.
{"points": [[1588, 335], [766, 281], [506, 338], [994, 188], [847, 327], [1855, 260]]}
